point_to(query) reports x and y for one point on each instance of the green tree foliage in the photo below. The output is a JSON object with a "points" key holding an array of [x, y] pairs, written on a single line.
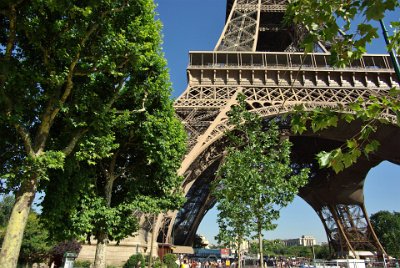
{"points": [[170, 260], [276, 248], [387, 227], [36, 243], [256, 178], [135, 261], [322, 252], [82, 81], [270, 247], [6, 205], [82, 264], [346, 27]]}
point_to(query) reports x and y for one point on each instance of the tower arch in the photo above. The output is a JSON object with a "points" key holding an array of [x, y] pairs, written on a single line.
{"points": [[275, 77]]}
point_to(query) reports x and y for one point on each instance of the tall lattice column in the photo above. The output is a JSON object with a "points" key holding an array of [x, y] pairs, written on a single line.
{"points": [[241, 29], [348, 229]]}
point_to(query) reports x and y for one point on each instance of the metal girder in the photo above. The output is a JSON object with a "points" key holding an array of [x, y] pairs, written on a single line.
{"points": [[349, 230], [273, 84], [241, 29], [257, 25]]}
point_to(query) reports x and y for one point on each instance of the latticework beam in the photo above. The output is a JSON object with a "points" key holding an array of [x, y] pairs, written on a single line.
{"points": [[274, 83]]}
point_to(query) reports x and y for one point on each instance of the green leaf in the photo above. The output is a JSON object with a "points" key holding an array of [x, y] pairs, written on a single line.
{"points": [[348, 117], [324, 158], [371, 147], [352, 143]]}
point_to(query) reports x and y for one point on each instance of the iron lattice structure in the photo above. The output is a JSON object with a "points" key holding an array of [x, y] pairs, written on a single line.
{"points": [[260, 57]]}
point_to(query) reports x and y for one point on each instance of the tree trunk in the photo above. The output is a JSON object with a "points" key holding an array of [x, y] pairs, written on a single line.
{"points": [[260, 243], [240, 255], [100, 257], [153, 237], [16, 225], [102, 240]]}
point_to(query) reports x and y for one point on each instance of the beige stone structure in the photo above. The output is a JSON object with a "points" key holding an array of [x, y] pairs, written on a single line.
{"points": [[304, 240]]}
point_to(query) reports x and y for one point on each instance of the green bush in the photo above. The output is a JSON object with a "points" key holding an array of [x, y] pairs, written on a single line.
{"points": [[170, 260], [157, 263], [135, 261], [82, 264]]}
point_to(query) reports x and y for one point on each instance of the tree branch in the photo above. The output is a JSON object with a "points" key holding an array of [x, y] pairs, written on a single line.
{"points": [[13, 27], [123, 63], [75, 138], [85, 73], [141, 110], [116, 95], [69, 83], [52, 110], [24, 134], [13, 32]]}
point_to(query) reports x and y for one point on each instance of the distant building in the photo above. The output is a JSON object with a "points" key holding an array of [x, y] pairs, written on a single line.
{"points": [[304, 240]]}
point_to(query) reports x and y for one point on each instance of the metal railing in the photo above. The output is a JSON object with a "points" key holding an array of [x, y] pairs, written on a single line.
{"points": [[221, 59]]}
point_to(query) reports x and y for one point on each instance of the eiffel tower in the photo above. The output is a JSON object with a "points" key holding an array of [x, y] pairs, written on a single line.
{"points": [[261, 58]]}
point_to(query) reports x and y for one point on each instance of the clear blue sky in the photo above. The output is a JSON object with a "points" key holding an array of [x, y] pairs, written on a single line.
{"points": [[195, 25]]}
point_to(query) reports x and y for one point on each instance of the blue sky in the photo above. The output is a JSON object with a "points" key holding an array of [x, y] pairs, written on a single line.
{"points": [[195, 25]]}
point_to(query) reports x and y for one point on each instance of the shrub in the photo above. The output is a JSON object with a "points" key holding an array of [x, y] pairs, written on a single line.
{"points": [[57, 252], [135, 261], [82, 264], [157, 263], [170, 260]]}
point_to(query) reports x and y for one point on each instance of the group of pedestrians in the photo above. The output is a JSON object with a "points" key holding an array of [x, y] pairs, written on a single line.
{"points": [[187, 263]]}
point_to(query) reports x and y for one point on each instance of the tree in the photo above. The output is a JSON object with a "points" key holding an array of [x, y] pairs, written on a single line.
{"points": [[256, 178], [333, 24], [170, 260], [277, 248], [36, 243], [68, 69], [6, 205], [387, 227], [322, 252], [233, 221], [139, 173], [106, 200], [135, 261], [270, 247], [345, 26]]}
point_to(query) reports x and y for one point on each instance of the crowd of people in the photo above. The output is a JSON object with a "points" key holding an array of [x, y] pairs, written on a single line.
{"points": [[192, 263]]}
